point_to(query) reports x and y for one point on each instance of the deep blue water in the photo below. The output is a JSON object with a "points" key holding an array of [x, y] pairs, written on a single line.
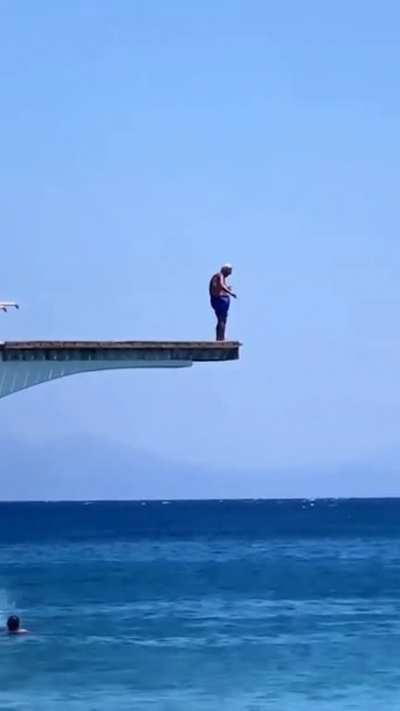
{"points": [[201, 605]]}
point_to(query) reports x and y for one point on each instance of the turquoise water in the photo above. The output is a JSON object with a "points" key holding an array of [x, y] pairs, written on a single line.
{"points": [[209, 605]]}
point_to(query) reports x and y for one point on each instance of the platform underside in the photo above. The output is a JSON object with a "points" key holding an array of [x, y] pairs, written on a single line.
{"points": [[27, 363]]}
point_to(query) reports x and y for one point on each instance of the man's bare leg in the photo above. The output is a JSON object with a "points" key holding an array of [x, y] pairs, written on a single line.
{"points": [[221, 326]]}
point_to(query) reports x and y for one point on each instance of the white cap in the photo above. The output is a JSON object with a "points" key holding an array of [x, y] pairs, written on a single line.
{"points": [[226, 266]]}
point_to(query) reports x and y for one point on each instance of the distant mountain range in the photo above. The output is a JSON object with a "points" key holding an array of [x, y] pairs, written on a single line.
{"points": [[84, 467]]}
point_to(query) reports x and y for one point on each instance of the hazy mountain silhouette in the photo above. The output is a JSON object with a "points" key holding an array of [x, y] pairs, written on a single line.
{"points": [[84, 467], [80, 468]]}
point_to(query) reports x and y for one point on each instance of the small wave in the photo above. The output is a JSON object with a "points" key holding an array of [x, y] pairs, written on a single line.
{"points": [[5, 606]]}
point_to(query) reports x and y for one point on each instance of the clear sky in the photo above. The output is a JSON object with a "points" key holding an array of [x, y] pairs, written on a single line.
{"points": [[143, 144]]}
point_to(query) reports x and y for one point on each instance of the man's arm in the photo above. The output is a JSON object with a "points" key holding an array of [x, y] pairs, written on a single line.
{"points": [[225, 287]]}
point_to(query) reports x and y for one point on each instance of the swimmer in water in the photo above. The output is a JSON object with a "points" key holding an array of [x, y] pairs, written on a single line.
{"points": [[14, 625]]}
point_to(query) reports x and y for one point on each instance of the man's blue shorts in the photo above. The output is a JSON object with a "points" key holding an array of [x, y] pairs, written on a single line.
{"points": [[221, 305]]}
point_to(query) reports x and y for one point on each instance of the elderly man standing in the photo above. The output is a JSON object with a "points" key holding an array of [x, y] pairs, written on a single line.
{"points": [[220, 296]]}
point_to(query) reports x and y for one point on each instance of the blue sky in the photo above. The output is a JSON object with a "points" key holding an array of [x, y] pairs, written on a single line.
{"points": [[145, 143]]}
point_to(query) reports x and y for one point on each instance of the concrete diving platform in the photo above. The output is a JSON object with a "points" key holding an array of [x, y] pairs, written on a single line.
{"points": [[24, 364]]}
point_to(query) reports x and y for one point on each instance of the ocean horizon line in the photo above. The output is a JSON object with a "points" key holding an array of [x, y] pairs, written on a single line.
{"points": [[170, 500]]}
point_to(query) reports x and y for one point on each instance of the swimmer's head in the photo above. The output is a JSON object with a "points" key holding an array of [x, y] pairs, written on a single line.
{"points": [[13, 623], [226, 269]]}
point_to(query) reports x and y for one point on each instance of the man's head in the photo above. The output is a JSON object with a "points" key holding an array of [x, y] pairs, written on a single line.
{"points": [[226, 270], [13, 623]]}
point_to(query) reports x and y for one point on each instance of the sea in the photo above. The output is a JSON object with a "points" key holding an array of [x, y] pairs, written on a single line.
{"points": [[201, 605]]}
